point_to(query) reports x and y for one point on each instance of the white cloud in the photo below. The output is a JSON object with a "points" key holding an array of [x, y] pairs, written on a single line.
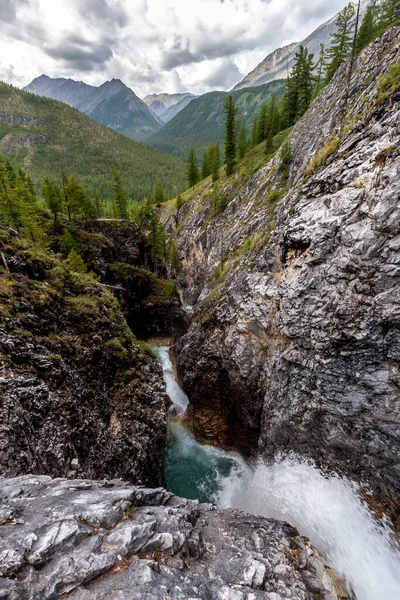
{"points": [[152, 45]]}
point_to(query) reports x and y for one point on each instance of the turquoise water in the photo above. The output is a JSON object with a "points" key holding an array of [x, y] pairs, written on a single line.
{"points": [[328, 510], [192, 470]]}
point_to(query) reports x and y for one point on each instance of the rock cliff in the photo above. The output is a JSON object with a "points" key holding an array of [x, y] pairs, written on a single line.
{"points": [[80, 396], [295, 341], [101, 540]]}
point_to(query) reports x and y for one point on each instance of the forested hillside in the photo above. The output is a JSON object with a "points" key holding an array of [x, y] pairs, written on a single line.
{"points": [[46, 137], [201, 123]]}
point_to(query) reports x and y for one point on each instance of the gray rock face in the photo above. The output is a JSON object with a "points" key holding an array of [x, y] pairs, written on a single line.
{"points": [[103, 540], [297, 345]]}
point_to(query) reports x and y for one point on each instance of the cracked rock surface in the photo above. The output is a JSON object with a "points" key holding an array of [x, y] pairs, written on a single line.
{"points": [[295, 345], [102, 540]]}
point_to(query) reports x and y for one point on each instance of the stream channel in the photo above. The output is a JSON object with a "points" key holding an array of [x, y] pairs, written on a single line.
{"points": [[328, 510]]}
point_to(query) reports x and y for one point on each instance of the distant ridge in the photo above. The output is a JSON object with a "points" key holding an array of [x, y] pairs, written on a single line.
{"points": [[277, 64], [112, 104], [167, 106]]}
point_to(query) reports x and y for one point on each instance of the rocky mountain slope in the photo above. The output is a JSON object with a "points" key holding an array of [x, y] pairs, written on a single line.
{"points": [[294, 344], [44, 137], [80, 394], [201, 123], [112, 104], [277, 64], [167, 106], [98, 539]]}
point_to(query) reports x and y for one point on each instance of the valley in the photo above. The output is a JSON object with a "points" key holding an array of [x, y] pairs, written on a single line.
{"points": [[200, 360]]}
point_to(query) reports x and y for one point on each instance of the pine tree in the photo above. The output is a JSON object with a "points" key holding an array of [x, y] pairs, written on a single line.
{"points": [[269, 143], [321, 68], [75, 262], [120, 205], [97, 204], [75, 196], [216, 163], [18, 203], [175, 259], [262, 124], [204, 167], [230, 135], [388, 14], [299, 86], [366, 33], [159, 196], [341, 41], [242, 139], [193, 175], [254, 130], [286, 158], [52, 195]]}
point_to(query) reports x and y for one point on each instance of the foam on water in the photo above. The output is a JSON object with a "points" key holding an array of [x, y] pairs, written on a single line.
{"points": [[328, 510], [177, 396]]}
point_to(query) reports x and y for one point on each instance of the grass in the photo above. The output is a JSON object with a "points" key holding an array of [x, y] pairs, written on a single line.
{"points": [[389, 83], [322, 155]]}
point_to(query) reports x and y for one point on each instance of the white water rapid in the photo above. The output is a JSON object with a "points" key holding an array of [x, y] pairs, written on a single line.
{"points": [[328, 510]]}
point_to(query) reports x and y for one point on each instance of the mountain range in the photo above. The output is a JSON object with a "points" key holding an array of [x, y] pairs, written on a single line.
{"points": [[112, 104], [202, 122], [167, 106], [46, 136], [278, 64]]}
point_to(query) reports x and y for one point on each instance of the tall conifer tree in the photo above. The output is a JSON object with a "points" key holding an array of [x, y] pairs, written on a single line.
{"points": [[230, 135]]}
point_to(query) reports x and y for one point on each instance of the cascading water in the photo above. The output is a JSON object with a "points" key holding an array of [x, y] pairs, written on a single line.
{"points": [[328, 510], [192, 470]]}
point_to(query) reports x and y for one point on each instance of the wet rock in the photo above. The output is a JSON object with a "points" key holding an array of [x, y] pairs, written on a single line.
{"points": [[296, 346], [166, 547]]}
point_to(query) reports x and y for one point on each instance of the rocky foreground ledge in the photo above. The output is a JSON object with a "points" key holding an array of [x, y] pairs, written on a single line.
{"points": [[101, 540]]}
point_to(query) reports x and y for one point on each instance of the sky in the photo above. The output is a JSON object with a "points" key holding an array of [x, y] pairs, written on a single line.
{"points": [[153, 46]]}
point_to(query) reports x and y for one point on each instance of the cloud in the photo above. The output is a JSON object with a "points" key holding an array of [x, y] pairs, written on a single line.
{"points": [[9, 9], [77, 56], [152, 45]]}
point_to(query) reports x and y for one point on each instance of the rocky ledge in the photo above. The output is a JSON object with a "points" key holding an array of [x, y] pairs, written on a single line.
{"points": [[101, 540]]}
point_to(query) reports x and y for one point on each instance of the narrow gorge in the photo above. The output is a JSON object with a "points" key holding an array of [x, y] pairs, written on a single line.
{"points": [[249, 449]]}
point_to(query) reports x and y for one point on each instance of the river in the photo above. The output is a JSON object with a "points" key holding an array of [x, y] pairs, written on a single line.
{"points": [[328, 510]]}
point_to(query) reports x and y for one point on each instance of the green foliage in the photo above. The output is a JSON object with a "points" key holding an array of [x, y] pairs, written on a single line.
{"points": [[242, 144], [275, 196], [47, 136], [230, 135], [367, 31], [389, 83], [159, 195], [18, 203], [341, 41], [179, 202], [193, 175], [202, 123], [286, 158], [321, 68], [320, 158], [67, 243], [299, 86], [75, 262], [120, 206]]}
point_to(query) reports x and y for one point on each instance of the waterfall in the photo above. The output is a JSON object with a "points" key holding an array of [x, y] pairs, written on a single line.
{"points": [[327, 510]]}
